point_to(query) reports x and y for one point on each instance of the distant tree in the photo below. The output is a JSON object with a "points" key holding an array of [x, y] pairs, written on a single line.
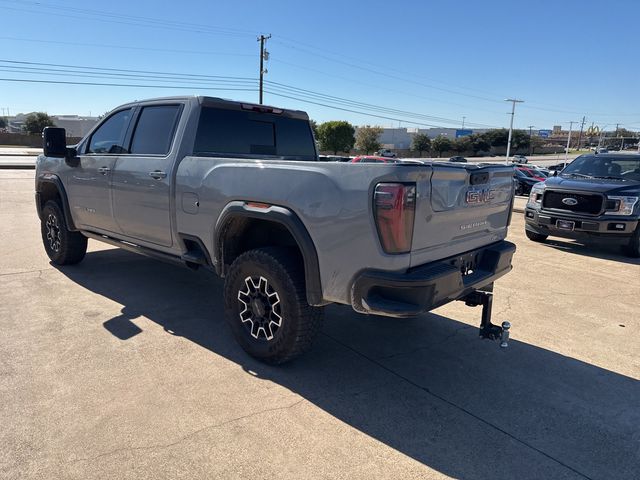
{"points": [[3, 122], [463, 144], [497, 137], [314, 128], [479, 143], [35, 122], [623, 132], [421, 143], [441, 144], [367, 138], [536, 142], [336, 136], [519, 140]]}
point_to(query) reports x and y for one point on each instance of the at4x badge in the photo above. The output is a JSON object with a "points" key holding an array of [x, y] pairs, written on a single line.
{"points": [[479, 196]]}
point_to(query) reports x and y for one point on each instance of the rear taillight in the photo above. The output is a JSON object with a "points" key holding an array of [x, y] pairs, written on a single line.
{"points": [[394, 206]]}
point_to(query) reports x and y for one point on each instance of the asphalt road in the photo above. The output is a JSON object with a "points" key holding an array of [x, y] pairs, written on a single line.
{"points": [[122, 367]]}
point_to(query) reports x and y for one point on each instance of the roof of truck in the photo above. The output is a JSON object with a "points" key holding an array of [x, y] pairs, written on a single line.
{"points": [[222, 102]]}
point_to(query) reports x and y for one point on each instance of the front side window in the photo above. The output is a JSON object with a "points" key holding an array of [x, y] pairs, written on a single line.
{"points": [[109, 137], [155, 129], [223, 132]]}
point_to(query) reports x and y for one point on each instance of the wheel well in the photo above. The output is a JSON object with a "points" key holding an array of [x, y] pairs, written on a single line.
{"points": [[242, 234], [48, 191]]}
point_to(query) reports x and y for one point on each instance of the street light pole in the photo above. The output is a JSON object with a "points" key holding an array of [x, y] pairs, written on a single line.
{"points": [[566, 150], [513, 111], [463, 118], [530, 145]]}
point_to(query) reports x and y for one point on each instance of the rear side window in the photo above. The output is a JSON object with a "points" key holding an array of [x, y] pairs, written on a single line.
{"points": [[109, 136], [242, 133], [154, 130]]}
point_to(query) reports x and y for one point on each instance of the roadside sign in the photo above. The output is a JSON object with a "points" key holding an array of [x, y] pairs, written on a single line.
{"points": [[463, 133], [544, 133]]}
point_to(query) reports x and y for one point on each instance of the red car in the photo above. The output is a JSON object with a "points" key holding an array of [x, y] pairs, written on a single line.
{"points": [[529, 172], [373, 159]]}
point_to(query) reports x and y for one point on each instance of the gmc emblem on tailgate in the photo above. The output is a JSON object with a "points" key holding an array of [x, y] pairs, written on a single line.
{"points": [[480, 196]]}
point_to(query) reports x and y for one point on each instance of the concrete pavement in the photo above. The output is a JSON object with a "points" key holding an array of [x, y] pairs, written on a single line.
{"points": [[122, 367]]}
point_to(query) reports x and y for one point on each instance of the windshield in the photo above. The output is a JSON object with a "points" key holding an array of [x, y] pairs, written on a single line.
{"points": [[622, 167]]}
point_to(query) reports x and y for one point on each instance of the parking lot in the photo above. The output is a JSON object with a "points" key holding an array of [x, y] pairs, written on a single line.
{"points": [[122, 367]]}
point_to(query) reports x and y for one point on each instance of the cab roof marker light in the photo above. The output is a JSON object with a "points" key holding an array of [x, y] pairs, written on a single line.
{"points": [[261, 108]]}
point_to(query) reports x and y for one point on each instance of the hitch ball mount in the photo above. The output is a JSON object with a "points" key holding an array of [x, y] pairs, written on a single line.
{"points": [[488, 329]]}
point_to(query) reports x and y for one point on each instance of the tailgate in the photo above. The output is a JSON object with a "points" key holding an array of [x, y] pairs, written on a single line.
{"points": [[460, 208]]}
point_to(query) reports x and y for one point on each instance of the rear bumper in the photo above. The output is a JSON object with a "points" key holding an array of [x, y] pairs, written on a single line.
{"points": [[603, 228], [428, 286]]}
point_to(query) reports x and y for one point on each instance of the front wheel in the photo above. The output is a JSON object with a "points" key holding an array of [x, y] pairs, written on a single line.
{"points": [[633, 249], [519, 189], [266, 306], [536, 237], [63, 246]]}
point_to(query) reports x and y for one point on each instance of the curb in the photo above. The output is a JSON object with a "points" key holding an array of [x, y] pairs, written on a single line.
{"points": [[22, 166], [19, 154]]}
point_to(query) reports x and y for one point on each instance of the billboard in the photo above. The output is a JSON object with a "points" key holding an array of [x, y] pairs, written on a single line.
{"points": [[463, 133], [544, 133]]}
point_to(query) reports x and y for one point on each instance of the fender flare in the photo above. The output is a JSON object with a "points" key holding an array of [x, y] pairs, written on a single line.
{"points": [[292, 223], [48, 178]]}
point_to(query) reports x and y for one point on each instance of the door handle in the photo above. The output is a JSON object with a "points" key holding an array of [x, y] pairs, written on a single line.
{"points": [[157, 174], [104, 170]]}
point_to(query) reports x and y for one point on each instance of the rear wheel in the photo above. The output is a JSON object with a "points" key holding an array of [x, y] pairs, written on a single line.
{"points": [[63, 246], [536, 237], [266, 305]]}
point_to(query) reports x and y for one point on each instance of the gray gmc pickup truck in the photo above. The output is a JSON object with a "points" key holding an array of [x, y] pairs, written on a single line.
{"points": [[238, 188]]}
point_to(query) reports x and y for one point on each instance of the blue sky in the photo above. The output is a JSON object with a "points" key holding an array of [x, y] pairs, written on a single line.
{"points": [[432, 62]]}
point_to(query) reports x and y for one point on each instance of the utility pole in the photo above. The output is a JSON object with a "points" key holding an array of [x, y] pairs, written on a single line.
{"points": [[581, 128], [513, 111], [530, 146], [264, 55], [463, 119], [566, 150]]}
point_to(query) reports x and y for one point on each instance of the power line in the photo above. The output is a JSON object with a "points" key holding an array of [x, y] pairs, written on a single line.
{"points": [[127, 47], [385, 74], [380, 87], [105, 84], [353, 103], [109, 17], [124, 70], [119, 76]]}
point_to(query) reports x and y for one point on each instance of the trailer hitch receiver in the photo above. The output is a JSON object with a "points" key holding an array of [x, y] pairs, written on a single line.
{"points": [[488, 329]]}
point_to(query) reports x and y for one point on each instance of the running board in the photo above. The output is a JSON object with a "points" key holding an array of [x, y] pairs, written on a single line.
{"points": [[132, 247]]}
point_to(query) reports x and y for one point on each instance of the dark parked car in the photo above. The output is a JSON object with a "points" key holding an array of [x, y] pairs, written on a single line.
{"points": [[524, 180], [558, 167], [458, 159], [595, 199]]}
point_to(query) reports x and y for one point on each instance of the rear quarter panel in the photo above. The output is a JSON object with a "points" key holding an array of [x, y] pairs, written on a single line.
{"points": [[333, 200]]}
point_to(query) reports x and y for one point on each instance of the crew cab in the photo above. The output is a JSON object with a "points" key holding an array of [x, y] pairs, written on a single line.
{"points": [[237, 188], [594, 199]]}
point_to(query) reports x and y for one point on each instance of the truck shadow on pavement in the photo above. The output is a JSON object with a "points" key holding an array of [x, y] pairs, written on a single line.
{"points": [[605, 252], [426, 387]]}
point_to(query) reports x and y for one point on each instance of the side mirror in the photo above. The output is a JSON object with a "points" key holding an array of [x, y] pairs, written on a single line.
{"points": [[54, 142], [555, 173]]}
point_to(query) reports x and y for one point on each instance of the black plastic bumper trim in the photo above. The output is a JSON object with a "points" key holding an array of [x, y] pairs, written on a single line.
{"points": [[429, 286]]}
